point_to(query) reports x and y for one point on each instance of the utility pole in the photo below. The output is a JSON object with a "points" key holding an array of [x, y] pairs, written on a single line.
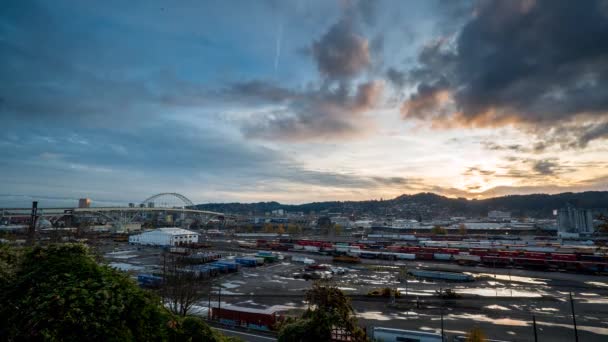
{"points": [[31, 234], [442, 334], [573, 318], [219, 302], [534, 326], [209, 304], [441, 313]]}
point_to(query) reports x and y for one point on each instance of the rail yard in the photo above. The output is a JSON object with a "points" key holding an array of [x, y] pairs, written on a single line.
{"points": [[406, 284]]}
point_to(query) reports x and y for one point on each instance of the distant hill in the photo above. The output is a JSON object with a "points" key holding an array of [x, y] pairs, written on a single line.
{"points": [[429, 205]]}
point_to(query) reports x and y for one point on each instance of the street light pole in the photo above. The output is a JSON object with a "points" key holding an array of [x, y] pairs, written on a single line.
{"points": [[534, 326], [442, 334], [573, 318]]}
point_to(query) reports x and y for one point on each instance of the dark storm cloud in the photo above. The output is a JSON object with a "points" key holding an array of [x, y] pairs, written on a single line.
{"points": [[341, 53], [396, 77], [528, 63], [428, 101], [324, 113], [545, 167]]}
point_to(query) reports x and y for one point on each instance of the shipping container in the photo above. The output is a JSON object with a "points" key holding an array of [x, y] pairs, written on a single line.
{"points": [[442, 256], [405, 256], [149, 280], [245, 261]]}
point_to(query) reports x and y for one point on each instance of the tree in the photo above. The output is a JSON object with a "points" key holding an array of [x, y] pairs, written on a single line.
{"points": [[462, 229], [180, 289], [268, 228], [193, 329], [438, 230], [329, 312], [293, 229], [603, 226], [337, 229], [60, 293], [476, 335], [280, 229]]}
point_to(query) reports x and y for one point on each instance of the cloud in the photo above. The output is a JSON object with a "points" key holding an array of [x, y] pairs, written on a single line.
{"points": [[545, 167], [525, 63], [396, 77], [430, 100], [315, 114], [341, 53]]}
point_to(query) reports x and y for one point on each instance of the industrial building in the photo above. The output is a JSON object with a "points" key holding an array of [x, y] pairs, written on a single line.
{"points": [[84, 203], [497, 215], [574, 220], [171, 236]]}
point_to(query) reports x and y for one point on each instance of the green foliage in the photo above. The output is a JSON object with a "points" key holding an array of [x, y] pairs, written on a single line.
{"points": [[438, 230], [330, 310], [193, 329], [536, 205], [61, 293], [384, 292], [476, 335], [603, 226], [9, 258]]}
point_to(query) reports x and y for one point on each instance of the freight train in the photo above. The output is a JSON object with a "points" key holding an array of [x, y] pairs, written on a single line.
{"points": [[549, 257]]}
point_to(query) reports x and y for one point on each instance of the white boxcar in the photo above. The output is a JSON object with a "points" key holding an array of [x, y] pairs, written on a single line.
{"points": [[381, 334]]}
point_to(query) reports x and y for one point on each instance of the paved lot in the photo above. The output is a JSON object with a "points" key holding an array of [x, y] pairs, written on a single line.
{"points": [[500, 301]]}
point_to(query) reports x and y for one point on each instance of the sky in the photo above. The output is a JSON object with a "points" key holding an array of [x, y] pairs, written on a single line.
{"points": [[301, 101]]}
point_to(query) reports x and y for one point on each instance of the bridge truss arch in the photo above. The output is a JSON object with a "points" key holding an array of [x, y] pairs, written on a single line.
{"points": [[184, 199]]}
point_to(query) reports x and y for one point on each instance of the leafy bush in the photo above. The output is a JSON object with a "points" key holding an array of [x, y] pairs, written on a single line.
{"points": [[60, 293]]}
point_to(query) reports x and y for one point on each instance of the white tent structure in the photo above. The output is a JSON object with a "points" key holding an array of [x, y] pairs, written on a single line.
{"points": [[171, 236]]}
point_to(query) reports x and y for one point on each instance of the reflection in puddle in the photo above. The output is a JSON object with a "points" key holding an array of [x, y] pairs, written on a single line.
{"points": [[497, 321], [125, 267], [596, 283], [518, 279], [501, 292], [497, 307], [595, 330]]}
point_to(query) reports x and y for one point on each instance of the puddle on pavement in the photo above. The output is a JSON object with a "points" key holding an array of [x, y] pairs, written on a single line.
{"points": [[596, 283], [125, 267], [497, 307], [506, 277], [483, 318], [499, 292]]}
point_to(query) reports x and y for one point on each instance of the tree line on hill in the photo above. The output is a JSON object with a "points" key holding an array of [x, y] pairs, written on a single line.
{"points": [[429, 205]]}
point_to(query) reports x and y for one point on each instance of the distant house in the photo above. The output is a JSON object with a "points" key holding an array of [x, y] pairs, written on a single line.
{"points": [[171, 236]]}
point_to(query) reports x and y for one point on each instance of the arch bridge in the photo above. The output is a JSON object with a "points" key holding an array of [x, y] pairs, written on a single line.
{"points": [[122, 216]]}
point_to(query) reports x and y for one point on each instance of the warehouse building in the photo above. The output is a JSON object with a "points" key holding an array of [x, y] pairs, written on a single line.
{"points": [[171, 236]]}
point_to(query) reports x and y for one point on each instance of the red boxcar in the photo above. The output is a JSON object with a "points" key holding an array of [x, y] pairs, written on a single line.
{"points": [[563, 257], [535, 255], [264, 319], [424, 256]]}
